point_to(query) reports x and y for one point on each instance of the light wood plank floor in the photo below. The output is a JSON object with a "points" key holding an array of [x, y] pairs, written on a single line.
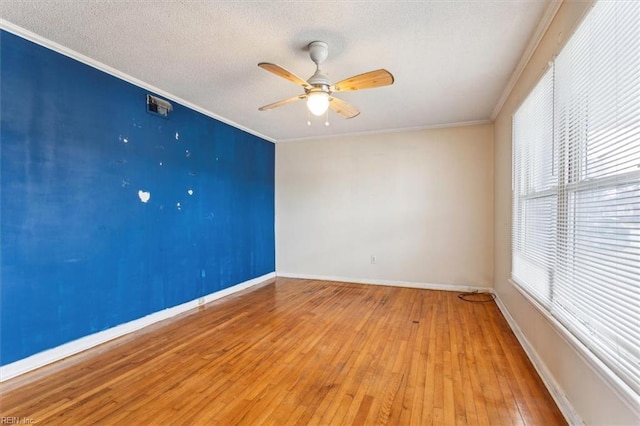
{"points": [[300, 352]]}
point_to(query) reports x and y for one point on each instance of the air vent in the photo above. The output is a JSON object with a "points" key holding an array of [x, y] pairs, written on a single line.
{"points": [[158, 106]]}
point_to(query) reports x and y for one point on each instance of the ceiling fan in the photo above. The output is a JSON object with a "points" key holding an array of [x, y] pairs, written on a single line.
{"points": [[318, 90]]}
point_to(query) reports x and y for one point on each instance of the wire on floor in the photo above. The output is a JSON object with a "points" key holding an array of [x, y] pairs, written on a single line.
{"points": [[477, 296]]}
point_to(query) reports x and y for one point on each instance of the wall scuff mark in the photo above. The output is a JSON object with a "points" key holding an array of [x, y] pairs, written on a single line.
{"points": [[144, 196]]}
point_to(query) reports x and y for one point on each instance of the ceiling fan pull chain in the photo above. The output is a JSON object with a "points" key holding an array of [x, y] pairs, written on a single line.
{"points": [[326, 118], [308, 118]]}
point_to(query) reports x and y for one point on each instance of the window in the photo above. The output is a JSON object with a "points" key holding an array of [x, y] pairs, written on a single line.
{"points": [[576, 189]]}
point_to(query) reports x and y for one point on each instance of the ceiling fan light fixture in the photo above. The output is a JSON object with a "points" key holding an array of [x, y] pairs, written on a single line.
{"points": [[318, 103]]}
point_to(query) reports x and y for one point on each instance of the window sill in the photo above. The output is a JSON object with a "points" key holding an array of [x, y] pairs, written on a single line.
{"points": [[620, 388]]}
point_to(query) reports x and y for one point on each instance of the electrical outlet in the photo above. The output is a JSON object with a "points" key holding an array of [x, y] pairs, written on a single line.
{"points": [[374, 260], [201, 301]]}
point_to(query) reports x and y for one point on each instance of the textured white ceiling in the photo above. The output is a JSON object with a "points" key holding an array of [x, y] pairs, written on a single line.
{"points": [[452, 60]]}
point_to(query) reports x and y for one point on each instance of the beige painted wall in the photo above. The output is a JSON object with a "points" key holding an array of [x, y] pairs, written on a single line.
{"points": [[421, 202], [591, 396]]}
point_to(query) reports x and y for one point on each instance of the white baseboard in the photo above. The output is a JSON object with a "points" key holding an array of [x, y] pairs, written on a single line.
{"points": [[410, 284], [552, 386], [55, 354]]}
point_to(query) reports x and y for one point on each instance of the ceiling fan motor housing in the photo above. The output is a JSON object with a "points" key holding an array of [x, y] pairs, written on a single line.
{"points": [[318, 80]]}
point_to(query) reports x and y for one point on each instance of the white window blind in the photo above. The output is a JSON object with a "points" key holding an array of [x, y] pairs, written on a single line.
{"points": [[576, 198], [535, 185]]}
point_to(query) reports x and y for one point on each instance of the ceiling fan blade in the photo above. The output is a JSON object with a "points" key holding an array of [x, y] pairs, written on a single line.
{"points": [[282, 102], [368, 80], [343, 108], [279, 71]]}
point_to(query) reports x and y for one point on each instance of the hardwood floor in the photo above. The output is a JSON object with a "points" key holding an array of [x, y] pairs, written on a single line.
{"points": [[300, 352]]}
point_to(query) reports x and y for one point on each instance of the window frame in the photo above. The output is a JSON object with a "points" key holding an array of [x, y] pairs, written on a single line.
{"points": [[564, 189]]}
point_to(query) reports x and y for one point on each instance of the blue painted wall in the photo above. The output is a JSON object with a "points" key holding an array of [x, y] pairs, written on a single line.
{"points": [[80, 251]]}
